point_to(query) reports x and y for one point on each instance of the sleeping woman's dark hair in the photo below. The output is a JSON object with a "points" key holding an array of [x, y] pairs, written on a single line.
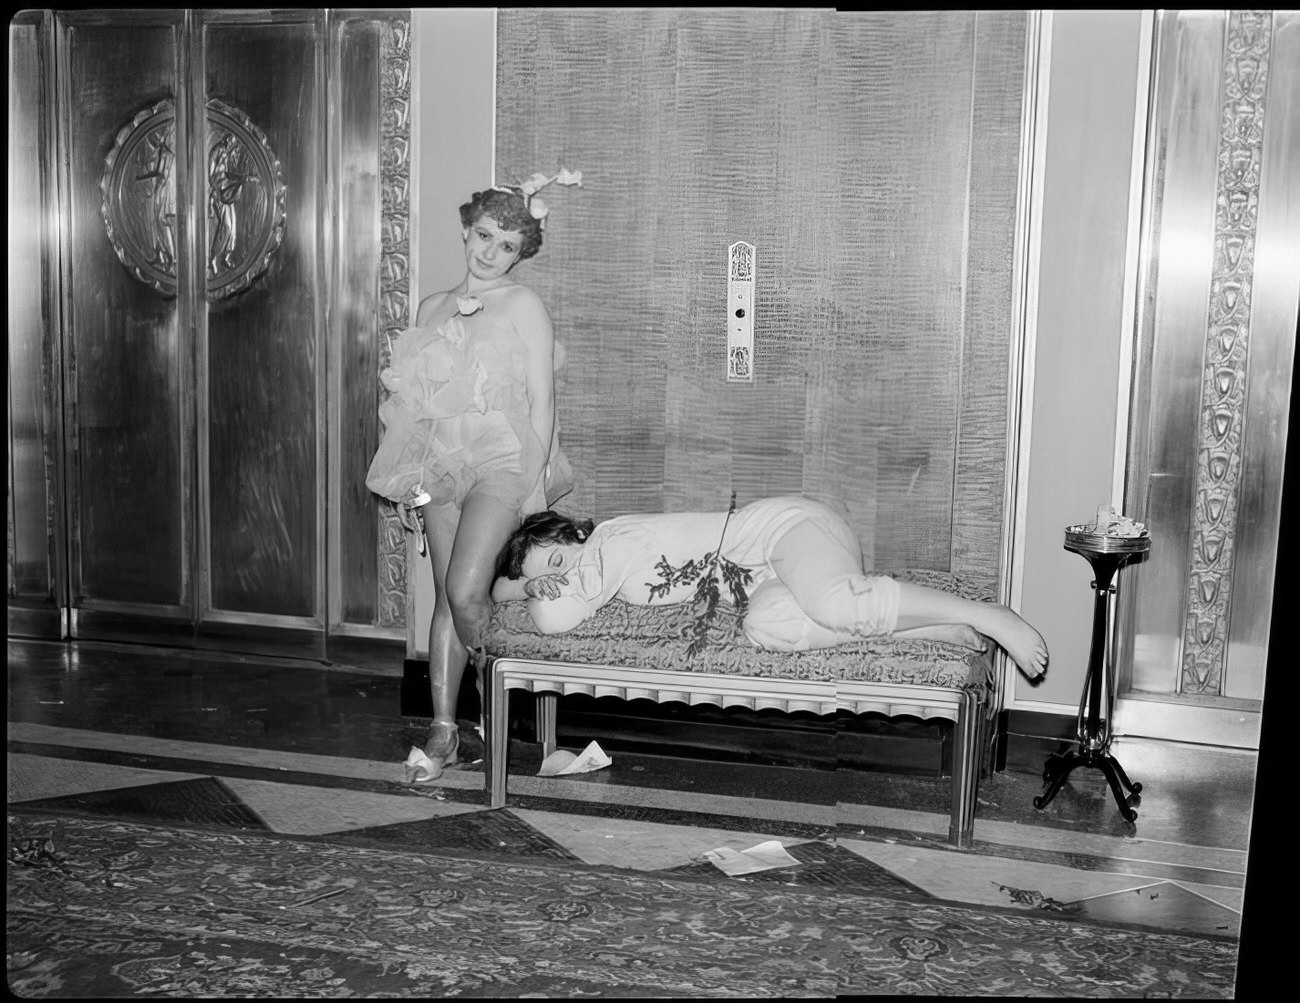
{"points": [[538, 529]]}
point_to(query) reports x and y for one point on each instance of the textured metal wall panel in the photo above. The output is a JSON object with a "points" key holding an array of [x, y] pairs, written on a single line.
{"points": [[1182, 146], [33, 444], [356, 293], [129, 497], [840, 145], [612, 76], [990, 308], [262, 366], [371, 159]]}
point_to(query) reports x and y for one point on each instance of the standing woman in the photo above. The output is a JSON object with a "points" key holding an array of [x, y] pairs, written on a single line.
{"points": [[470, 441]]}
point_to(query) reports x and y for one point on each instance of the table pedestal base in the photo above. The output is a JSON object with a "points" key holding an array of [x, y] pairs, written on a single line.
{"points": [[1060, 765]]}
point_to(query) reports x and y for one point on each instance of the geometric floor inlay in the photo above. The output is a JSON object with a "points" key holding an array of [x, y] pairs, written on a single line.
{"points": [[657, 837], [494, 832], [1164, 905], [30, 778], [1032, 885], [633, 843], [824, 865], [310, 811], [987, 880], [204, 800]]}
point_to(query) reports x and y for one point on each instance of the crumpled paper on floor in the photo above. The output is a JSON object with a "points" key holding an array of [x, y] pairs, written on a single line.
{"points": [[419, 768], [763, 857], [561, 763]]}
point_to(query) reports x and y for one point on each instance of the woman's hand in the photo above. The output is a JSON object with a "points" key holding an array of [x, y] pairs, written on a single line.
{"points": [[545, 586], [407, 518]]}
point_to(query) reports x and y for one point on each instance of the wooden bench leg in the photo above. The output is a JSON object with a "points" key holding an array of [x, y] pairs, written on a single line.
{"points": [[965, 771], [547, 705], [496, 734]]}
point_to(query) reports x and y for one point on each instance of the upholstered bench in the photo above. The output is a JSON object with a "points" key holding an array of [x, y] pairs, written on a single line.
{"points": [[641, 652]]}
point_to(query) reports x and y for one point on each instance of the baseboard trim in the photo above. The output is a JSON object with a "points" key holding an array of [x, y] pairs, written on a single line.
{"points": [[1039, 724]]}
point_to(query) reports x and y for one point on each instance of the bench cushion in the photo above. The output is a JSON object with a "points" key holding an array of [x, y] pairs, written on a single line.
{"points": [[657, 637]]}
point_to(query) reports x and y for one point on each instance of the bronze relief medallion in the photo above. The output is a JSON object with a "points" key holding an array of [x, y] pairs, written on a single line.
{"points": [[245, 194]]}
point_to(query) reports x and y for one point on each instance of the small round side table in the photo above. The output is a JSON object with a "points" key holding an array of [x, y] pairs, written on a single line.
{"points": [[1106, 554]]}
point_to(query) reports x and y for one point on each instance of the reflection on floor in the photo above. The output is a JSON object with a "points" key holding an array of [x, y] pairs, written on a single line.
{"points": [[134, 732]]}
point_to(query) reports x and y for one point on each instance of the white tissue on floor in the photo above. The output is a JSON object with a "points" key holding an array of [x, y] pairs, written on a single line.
{"points": [[562, 763], [763, 857], [418, 767]]}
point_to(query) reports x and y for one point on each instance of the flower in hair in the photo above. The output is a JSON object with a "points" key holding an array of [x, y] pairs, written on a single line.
{"points": [[534, 184], [537, 207]]}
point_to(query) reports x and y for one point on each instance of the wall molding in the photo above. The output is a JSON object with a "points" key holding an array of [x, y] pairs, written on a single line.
{"points": [[395, 601], [1223, 387]]}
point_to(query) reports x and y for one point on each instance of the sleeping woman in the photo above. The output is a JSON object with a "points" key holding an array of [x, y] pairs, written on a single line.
{"points": [[808, 587]]}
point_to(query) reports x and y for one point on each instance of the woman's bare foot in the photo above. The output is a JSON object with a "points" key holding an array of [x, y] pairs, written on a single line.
{"points": [[1016, 637], [953, 633]]}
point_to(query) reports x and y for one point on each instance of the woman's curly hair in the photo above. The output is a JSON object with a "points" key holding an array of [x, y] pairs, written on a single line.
{"points": [[539, 529], [510, 211]]}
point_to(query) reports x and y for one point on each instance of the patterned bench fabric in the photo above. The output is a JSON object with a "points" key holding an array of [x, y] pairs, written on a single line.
{"points": [[657, 637]]}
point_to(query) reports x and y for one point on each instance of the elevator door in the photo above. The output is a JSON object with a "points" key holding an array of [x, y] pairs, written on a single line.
{"points": [[193, 327], [186, 329], [191, 226]]}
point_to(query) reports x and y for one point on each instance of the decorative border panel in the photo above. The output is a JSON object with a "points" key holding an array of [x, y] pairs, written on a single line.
{"points": [[1223, 388], [394, 275]]}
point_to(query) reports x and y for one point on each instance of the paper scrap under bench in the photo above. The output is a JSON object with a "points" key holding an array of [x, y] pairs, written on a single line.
{"points": [[418, 768], [561, 763], [763, 857]]}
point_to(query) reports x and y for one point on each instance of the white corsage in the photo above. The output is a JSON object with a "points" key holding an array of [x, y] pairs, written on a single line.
{"points": [[468, 305], [454, 331], [535, 184]]}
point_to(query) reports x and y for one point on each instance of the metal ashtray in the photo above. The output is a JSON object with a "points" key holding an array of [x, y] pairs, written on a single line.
{"points": [[1084, 540]]}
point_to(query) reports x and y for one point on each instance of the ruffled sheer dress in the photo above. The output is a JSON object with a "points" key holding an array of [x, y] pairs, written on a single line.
{"points": [[457, 418]]}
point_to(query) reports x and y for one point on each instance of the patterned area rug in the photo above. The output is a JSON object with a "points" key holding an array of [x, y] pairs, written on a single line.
{"points": [[105, 908]]}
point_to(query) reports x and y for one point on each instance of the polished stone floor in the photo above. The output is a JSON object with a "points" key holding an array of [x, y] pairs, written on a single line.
{"points": [[296, 748]]}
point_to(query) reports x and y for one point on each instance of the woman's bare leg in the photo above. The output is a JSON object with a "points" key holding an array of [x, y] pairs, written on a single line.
{"points": [[919, 606], [775, 620], [447, 655], [824, 575], [485, 526], [466, 593]]}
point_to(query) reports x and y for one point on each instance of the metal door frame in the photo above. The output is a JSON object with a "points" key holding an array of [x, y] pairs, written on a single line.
{"points": [[47, 616]]}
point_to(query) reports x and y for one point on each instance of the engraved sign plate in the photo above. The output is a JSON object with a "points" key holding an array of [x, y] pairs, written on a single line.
{"points": [[740, 313]]}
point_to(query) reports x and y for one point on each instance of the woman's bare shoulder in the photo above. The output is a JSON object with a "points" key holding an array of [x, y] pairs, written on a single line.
{"points": [[526, 311], [522, 298], [430, 307]]}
